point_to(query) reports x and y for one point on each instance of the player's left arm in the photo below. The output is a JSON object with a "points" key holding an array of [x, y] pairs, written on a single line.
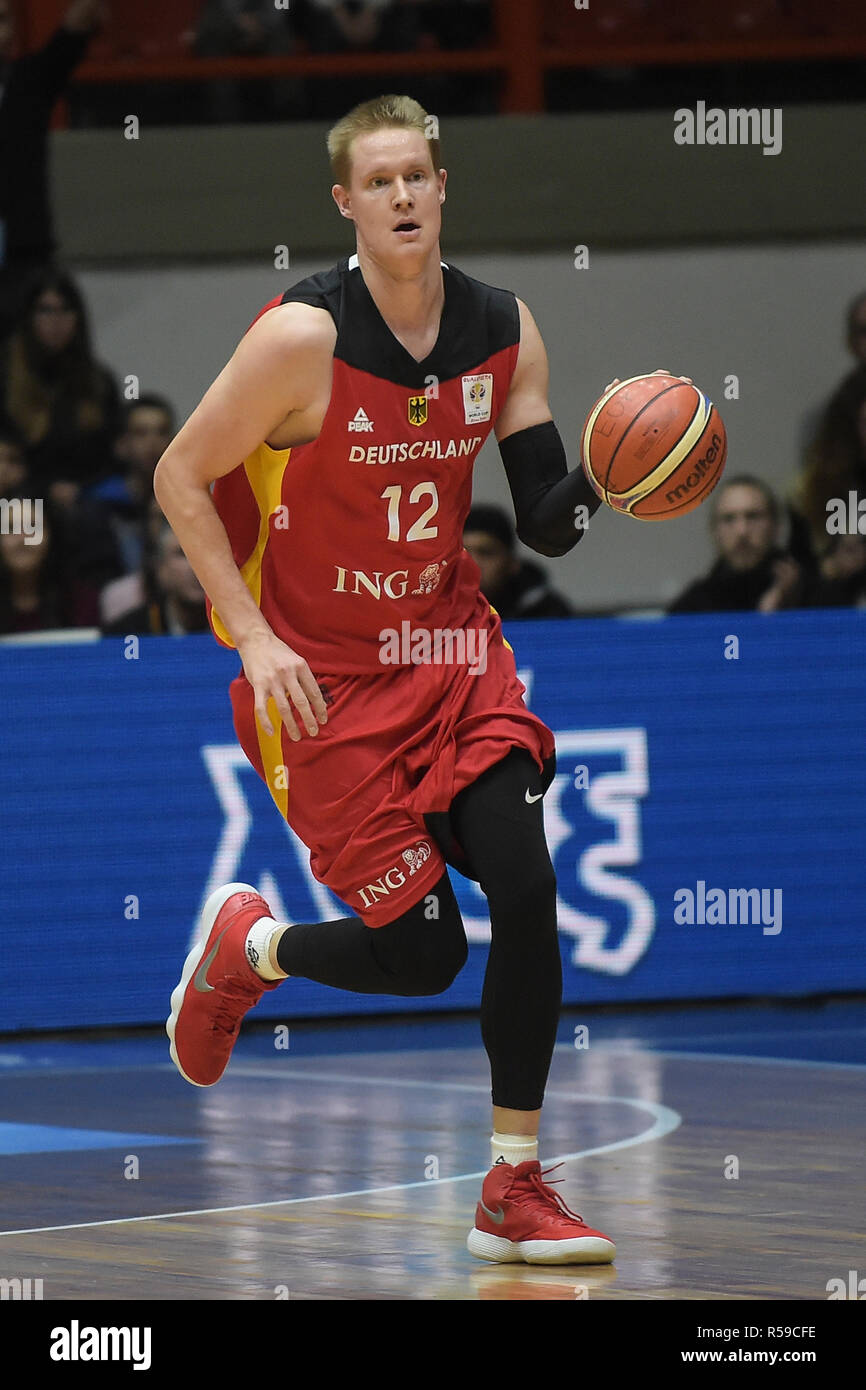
{"points": [[546, 496]]}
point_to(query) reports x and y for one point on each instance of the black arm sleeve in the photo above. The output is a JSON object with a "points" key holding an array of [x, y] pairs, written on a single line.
{"points": [[544, 493]]}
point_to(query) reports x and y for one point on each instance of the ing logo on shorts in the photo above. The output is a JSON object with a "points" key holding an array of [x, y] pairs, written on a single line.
{"points": [[416, 857], [396, 876]]}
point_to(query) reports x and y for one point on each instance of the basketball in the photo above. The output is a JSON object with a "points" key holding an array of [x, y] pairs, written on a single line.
{"points": [[654, 447]]}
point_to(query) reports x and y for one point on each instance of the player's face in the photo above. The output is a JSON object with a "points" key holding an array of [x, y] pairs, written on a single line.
{"points": [[393, 182], [744, 527]]}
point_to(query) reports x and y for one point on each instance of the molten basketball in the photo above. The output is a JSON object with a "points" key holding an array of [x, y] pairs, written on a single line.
{"points": [[653, 446]]}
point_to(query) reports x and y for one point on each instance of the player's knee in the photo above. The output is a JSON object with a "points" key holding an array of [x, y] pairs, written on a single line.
{"points": [[526, 897], [436, 972], [424, 953], [432, 959]]}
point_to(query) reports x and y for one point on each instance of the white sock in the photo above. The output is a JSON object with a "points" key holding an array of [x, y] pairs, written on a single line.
{"points": [[258, 946], [513, 1148]]}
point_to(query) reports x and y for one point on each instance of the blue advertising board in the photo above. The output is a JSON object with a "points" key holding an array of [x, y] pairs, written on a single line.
{"points": [[706, 821]]}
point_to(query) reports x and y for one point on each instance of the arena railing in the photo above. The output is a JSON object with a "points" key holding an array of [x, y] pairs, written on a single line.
{"points": [[529, 40]]}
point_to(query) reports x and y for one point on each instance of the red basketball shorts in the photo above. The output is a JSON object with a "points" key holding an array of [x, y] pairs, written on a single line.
{"points": [[397, 745]]}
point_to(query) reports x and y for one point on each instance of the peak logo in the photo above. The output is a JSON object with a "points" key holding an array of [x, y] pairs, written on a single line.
{"points": [[361, 422]]}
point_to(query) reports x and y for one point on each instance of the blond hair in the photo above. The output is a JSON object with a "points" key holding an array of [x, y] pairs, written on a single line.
{"points": [[377, 114]]}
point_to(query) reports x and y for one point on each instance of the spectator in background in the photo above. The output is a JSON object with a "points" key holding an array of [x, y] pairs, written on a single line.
{"points": [[240, 26], [127, 493], [29, 87], [174, 600], [82, 531], [855, 341], [751, 572], [855, 328], [62, 401], [39, 591], [245, 28], [516, 588], [346, 26], [455, 25], [134, 591], [459, 23], [335, 26], [843, 570], [835, 464], [13, 462]]}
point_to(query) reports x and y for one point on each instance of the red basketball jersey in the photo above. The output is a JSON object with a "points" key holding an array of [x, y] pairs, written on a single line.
{"points": [[361, 530]]}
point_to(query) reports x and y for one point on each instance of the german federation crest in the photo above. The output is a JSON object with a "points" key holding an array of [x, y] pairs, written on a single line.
{"points": [[417, 410]]}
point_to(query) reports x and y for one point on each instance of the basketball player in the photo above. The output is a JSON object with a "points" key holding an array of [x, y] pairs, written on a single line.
{"points": [[358, 401]]}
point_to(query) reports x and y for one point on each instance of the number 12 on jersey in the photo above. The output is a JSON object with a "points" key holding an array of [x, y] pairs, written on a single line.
{"points": [[419, 530]]}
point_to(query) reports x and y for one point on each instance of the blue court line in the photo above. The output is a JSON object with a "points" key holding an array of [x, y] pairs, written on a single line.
{"points": [[45, 1139]]}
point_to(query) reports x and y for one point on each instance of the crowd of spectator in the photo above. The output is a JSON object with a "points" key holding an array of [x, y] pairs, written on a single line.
{"points": [[104, 557], [261, 28], [95, 550], [101, 555]]}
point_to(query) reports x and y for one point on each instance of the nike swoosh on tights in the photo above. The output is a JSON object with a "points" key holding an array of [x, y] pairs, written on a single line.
{"points": [[531, 799]]}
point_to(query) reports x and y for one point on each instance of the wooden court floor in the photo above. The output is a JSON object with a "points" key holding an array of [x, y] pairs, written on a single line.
{"points": [[722, 1171]]}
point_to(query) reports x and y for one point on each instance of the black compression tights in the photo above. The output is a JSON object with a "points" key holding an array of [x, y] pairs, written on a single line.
{"points": [[421, 953]]}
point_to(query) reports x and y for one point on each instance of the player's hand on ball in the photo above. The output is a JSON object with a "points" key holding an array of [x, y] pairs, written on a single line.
{"points": [[277, 673]]}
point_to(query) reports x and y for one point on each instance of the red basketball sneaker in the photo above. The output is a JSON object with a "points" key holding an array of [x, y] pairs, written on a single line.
{"points": [[217, 987], [520, 1217]]}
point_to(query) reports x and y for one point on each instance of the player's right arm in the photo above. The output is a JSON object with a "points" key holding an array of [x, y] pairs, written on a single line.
{"points": [[281, 367]]}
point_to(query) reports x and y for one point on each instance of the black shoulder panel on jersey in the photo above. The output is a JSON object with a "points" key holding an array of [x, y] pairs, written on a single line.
{"points": [[477, 321], [323, 290]]}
